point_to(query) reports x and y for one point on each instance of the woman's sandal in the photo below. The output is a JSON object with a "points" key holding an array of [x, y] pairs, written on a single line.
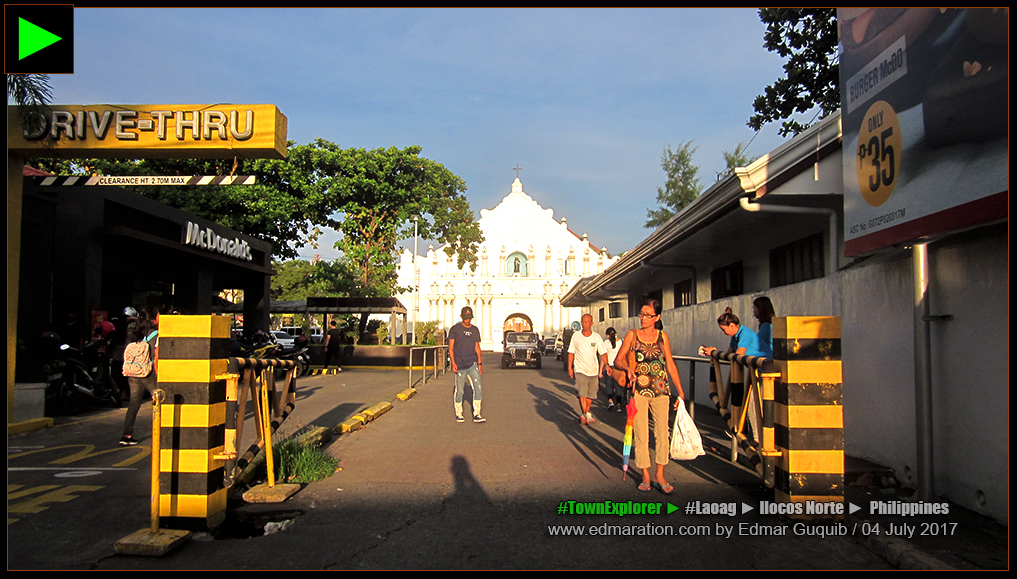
{"points": [[665, 488]]}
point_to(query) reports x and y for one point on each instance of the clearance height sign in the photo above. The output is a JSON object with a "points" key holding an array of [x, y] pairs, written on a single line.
{"points": [[924, 111], [149, 131]]}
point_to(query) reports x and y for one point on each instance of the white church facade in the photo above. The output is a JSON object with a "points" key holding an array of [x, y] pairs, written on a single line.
{"points": [[526, 263]]}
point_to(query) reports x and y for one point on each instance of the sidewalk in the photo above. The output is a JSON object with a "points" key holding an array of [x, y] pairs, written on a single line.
{"points": [[975, 542]]}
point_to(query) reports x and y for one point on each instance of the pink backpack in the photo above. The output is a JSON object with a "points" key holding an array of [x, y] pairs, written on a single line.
{"points": [[137, 360]]}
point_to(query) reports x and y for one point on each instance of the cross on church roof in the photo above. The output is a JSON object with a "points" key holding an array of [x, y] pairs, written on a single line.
{"points": [[518, 169]]}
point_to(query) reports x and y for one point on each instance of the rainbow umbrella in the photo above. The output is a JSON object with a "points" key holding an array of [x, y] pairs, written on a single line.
{"points": [[630, 411]]}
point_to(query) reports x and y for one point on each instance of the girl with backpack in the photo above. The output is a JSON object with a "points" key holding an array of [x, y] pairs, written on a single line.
{"points": [[139, 368]]}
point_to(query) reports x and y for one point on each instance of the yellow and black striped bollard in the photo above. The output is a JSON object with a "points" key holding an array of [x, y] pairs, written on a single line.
{"points": [[809, 427], [192, 360]]}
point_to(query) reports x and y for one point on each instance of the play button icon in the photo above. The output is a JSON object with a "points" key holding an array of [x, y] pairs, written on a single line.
{"points": [[44, 38], [32, 39]]}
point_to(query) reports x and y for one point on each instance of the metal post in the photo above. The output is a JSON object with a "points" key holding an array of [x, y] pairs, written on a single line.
{"points": [[416, 281], [767, 438], [267, 430], [692, 389], [157, 398], [923, 372]]}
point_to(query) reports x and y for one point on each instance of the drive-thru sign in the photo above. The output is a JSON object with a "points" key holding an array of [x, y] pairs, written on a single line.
{"points": [[146, 131]]}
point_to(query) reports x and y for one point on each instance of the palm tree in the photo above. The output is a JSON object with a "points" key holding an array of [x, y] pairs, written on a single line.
{"points": [[32, 94]]}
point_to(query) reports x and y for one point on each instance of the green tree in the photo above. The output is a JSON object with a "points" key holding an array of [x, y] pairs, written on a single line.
{"points": [[296, 279], [376, 193], [807, 38], [682, 185], [32, 95], [738, 158], [336, 277]]}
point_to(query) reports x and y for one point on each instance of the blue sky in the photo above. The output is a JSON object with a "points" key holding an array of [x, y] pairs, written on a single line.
{"points": [[583, 100]]}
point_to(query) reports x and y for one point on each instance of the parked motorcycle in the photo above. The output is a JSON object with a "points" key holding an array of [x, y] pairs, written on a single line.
{"points": [[78, 377], [262, 347], [299, 355]]}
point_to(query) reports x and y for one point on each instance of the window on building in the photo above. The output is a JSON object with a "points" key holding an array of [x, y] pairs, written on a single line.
{"points": [[683, 293], [726, 281], [516, 265], [601, 314], [614, 310], [797, 261]]}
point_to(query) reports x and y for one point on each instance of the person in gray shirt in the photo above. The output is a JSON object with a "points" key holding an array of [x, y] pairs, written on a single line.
{"points": [[464, 346]]}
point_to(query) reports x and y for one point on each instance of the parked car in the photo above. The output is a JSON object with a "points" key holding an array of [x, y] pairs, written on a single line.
{"points": [[549, 345], [520, 349], [284, 340], [315, 334]]}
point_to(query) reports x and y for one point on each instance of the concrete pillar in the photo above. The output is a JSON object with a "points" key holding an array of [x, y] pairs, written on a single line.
{"points": [[548, 315], [485, 331], [192, 353], [808, 410]]}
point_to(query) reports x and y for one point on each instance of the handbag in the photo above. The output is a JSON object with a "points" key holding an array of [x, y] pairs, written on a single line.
{"points": [[620, 376], [686, 443]]}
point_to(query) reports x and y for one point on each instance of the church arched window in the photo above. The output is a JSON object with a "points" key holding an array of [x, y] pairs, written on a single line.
{"points": [[516, 265]]}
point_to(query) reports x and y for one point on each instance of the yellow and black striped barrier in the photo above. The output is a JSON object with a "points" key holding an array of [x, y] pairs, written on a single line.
{"points": [[754, 395], [323, 371], [260, 371], [718, 393], [808, 410], [191, 362]]}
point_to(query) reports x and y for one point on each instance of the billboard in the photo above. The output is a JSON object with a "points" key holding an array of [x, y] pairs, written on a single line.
{"points": [[924, 112]]}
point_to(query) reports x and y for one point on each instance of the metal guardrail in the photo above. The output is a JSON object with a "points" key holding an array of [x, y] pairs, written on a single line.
{"points": [[423, 366], [757, 408], [259, 381]]}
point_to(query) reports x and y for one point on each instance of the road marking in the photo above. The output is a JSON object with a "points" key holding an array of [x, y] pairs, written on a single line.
{"points": [[44, 494], [88, 451], [67, 468]]}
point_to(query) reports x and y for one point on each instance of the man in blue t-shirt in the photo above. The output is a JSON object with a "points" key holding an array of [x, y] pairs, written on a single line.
{"points": [[464, 347]]}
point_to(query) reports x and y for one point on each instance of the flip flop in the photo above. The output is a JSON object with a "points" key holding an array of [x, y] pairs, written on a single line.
{"points": [[664, 489], [644, 488]]}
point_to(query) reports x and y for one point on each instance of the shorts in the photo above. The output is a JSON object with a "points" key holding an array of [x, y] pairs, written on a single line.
{"points": [[587, 386]]}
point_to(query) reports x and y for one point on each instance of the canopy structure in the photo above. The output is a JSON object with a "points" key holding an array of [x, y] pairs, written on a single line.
{"points": [[336, 306]]}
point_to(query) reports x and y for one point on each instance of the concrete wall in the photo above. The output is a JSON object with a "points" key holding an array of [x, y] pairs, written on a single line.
{"points": [[971, 367]]}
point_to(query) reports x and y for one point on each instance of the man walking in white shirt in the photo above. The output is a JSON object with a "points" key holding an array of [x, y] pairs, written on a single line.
{"points": [[587, 360]]}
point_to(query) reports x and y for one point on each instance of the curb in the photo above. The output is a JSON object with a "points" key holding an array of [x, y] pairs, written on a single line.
{"points": [[29, 425]]}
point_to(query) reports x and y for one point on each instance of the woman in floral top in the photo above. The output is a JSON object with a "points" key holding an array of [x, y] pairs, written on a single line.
{"points": [[646, 356]]}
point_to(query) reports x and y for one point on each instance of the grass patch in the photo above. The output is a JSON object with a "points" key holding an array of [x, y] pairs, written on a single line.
{"points": [[297, 462]]}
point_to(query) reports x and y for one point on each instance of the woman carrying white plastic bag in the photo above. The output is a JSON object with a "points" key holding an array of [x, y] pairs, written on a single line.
{"points": [[686, 443]]}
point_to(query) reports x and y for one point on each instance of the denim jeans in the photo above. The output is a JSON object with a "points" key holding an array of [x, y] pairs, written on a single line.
{"points": [[473, 373]]}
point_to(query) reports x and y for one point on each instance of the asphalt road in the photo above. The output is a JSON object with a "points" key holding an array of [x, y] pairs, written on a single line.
{"points": [[416, 490]]}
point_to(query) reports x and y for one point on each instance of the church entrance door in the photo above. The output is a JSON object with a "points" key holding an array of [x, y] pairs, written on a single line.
{"points": [[518, 323]]}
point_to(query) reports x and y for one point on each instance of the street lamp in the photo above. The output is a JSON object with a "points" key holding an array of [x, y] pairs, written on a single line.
{"points": [[416, 279]]}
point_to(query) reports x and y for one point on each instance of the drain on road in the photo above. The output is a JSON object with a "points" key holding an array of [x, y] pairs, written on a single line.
{"points": [[244, 523]]}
